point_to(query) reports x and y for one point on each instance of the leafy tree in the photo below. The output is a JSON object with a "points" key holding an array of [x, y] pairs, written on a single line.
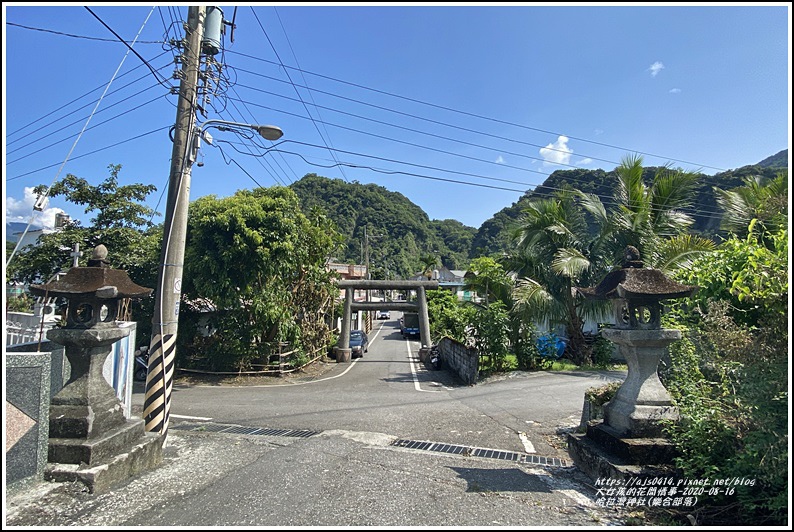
{"points": [[448, 317], [121, 221], [492, 336], [261, 261], [487, 277]]}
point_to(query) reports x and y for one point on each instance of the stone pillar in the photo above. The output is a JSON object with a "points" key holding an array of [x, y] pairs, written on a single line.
{"points": [[87, 405], [343, 351], [424, 320], [642, 401]]}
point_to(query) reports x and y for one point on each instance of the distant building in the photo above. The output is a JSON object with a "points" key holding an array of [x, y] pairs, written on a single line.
{"points": [[451, 280], [351, 272]]}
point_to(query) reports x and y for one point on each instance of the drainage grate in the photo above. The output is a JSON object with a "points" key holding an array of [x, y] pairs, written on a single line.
{"points": [[250, 431], [479, 452]]}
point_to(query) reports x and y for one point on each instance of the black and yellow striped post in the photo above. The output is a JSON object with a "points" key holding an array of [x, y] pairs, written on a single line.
{"points": [[160, 374]]}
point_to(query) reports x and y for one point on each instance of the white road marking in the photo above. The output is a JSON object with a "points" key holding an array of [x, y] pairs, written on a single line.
{"points": [[413, 369], [528, 447], [191, 417]]}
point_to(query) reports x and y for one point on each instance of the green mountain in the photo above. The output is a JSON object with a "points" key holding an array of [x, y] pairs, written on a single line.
{"points": [[398, 232], [778, 160], [493, 235]]}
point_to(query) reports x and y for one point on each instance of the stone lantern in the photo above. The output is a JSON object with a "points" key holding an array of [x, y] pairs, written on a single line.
{"points": [[637, 294], [628, 442], [88, 429]]}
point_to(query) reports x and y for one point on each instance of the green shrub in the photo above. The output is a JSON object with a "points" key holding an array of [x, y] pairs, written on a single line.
{"points": [[602, 352], [601, 395]]}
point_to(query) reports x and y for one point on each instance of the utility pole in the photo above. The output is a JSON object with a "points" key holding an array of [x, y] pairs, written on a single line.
{"points": [[159, 379]]}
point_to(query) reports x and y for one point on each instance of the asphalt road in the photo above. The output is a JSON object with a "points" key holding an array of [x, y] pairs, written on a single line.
{"points": [[379, 441]]}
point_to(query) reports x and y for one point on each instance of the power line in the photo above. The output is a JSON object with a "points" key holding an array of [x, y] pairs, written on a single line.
{"points": [[73, 35], [702, 213], [164, 128], [481, 117], [163, 82], [404, 128], [87, 129], [78, 99], [81, 119], [425, 147], [305, 83], [43, 198], [294, 87]]}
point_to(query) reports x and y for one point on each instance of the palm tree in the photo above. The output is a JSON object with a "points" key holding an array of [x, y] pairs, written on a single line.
{"points": [[429, 262], [651, 217], [557, 250], [760, 199], [554, 254]]}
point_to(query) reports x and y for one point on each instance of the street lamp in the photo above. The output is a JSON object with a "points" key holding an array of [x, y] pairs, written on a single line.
{"points": [[266, 132]]}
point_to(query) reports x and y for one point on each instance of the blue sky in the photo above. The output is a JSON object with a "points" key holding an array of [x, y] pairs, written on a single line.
{"points": [[461, 108]]}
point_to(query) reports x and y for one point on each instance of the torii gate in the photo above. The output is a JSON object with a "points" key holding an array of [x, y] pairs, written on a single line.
{"points": [[343, 351]]}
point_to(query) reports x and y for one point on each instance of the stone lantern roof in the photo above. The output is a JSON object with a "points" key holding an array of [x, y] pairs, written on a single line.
{"points": [[634, 282], [91, 280], [100, 281]]}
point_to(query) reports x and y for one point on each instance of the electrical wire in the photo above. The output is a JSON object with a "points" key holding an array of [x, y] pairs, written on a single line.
{"points": [[81, 119], [43, 198], [474, 115], [164, 128], [87, 129], [294, 87], [64, 106]]}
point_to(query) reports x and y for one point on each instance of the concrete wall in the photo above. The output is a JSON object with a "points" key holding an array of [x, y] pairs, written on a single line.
{"points": [[27, 391], [458, 358]]}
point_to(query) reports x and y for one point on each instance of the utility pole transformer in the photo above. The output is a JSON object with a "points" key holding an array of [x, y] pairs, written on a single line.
{"points": [[160, 375]]}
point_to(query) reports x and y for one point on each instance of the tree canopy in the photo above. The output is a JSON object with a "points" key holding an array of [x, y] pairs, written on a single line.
{"points": [[261, 262]]}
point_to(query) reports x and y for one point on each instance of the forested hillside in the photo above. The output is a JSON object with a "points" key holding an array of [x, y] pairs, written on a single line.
{"points": [[493, 235], [399, 232]]}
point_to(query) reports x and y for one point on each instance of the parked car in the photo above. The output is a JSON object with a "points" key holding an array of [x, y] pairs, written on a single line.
{"points": [[383, 315], [359, 343]]}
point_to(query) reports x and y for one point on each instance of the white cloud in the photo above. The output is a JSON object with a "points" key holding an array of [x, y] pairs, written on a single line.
{"points": [[675, 91], [556, 153], [655, 68], [586, 160], [599, 131], [500, 160], [20, 211]]}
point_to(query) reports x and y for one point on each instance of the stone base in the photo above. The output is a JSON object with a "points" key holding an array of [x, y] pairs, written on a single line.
{"points": [[145, 455], [631, 450], [98, 449], [601, 454], [343, 355]]}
